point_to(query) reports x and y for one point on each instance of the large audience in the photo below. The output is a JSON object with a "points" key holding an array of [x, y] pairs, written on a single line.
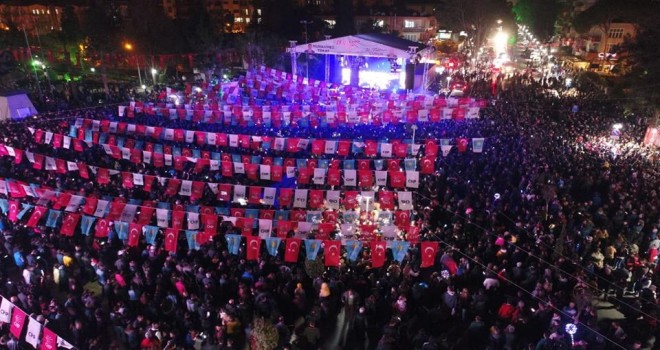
{"points": [[551, 221]]}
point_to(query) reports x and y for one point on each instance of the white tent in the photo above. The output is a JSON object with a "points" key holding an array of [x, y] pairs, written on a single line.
{"points": [[15, 105]]}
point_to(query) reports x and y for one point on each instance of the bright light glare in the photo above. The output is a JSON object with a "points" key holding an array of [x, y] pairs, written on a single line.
{"points": [[380, 80], [198, 89], [500, 42], [617, 126], [154, 71]]}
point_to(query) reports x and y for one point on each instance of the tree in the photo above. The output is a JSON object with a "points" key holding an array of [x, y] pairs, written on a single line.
{"points": [[70, 33], [279, 17], [198, 28], [155, 33], [539, 15], [344, 18], [101, 25], [475, 17], [372, 26], [605, 12]]}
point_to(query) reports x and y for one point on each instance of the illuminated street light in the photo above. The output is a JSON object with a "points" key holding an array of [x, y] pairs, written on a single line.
{"points": [[617, 126], [153, 74], [92, 69]]}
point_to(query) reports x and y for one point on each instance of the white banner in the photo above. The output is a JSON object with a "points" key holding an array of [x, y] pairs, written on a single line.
{"points": [[33, 332], [50, 163], [446, 113], [350, 177], [213, 187], [121, 110], [138, 179], [347, 231], [319, 176], [168, 159], [278, 145], [193, 221], [389, 232], [332, 199], [186, 188], [239, 193], [412, 179], [472, 113], [239, 168], [214, 165], [5, 311], [125, 153], [48, 137], [146, 157], [264, 172], [74, 203], [101, 207], [66, 142], [129, 213], [3, 187], [381, 178], [211, 138], [330, 147], [303, 143], [162, 219], [71, 166], [300, 199], [386, 150], [96, 124], [445, 150], [233, 140], [265, 227], [290, 171], [478, 145], [169, 134], [190, 136], [269, 195], [366, 199], [405, 200]]}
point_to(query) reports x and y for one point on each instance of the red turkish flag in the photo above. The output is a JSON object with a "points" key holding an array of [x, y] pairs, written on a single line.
{"points": [[286, 197], [330, 216], [370, 148], [102, 228], [134, 234], [13, 211], [364, 164], [365, 178], [393, 165], [350, 199], [136, 156], [210, 222], [38, 161], [38, 136], [325, 229], [292, 250], [224, 192], [247, 225], [200, 164], [343, 148], [335, 163], [178, 217], [252, 171], [400, 149], [386, 199], [332, 252], [253, 247], [197, 190], [116, 208], [266, 214], [378, 255], [90, 205], [227, 168], [17, 322], [48, 340], [462, 144], [158, 159], [431, 148], [254, 194], [397, 179], [37, 214], [276, 173], [318, 147], [412, 234], [146, 215], [102, 176], [283, 228], [304, 174], [60, 165], [69, 224], [15, 189], [237, 213], [315, 199], [334, 177], [82, 169], [298, 215], [402, 218], [148, 182], [428, 251], [179, 161], [427, 165], [172, 187], [127, 179], [171, 239], [62, 201]]}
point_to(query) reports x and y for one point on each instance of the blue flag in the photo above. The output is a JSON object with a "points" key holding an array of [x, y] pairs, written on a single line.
{"points": [[53, 217], [196, 153], [255, 160], [399, 249], [353, 248], [122, 229], [86, 224], [88, 135], [158, 148], [410, 164], [323, 163], [222, 211], [233, 243], [120, 141], [272, 245], [312, 247], [150, 233], [236, 158], [350, 216], [378, 164], [278, 161], [192, 208], [73, 131], [163, 205], [25, 209], [134, 201], [4, 205], [357, 147], [103, 137], [176, 151], [139, 144], [252, 213], [313, 216], [216, 156], [191, 237], [282, 215], [301, 163], [349, 164]]}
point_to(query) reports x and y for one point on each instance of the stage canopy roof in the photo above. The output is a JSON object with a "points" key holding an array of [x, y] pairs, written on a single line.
{"points": [[367, 45]]}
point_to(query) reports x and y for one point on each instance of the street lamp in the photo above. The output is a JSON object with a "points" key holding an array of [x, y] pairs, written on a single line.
{"points": [[129, 47], [153, 74]]}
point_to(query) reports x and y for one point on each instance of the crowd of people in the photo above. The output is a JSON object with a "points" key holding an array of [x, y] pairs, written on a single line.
{"points": [[534, 233]]}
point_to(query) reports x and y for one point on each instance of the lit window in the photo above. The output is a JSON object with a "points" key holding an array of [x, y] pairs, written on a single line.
{"points": [[239, 19], [616, 33], [259, 12], [57, 12], [247, 20], [246, 12], [408, 24], [379, 23], [48, 12]]}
